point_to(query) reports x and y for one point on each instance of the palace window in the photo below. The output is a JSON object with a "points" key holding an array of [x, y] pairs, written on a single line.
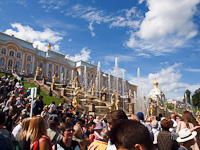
{"points": [[50, 66], [11, 53], [49, 74], [63, 69], [10, 63], [28, 67], [88, 75], [56, 74], [2, 61], [29, 58], [18, 55], [3, 51], [41, 65], [56, 68], [17, 65], [92, 75]]}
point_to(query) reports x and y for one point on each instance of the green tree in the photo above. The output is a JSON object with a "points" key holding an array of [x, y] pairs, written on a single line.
{"points": [[187, 96], [196, 98]]}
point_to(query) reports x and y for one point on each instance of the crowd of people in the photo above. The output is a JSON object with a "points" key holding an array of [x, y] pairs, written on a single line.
{"points": [[57, 128]]}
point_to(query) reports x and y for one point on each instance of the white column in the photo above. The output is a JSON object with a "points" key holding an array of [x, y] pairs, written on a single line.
{"points": [[33, 63], [23, 57]]}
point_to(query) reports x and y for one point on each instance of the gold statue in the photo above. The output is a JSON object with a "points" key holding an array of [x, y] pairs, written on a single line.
{"points": [[93, 89], [83, 87], [151, 110], [103, 97], [49, 46], [75, 101], [74, 82], [103, 90], [116, 102], [165, 109], [112, 106], [54, 79]]}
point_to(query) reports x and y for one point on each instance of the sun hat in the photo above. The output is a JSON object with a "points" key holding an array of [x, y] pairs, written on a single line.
{"points": [[140, 115], [185, 135], [99, 125]]}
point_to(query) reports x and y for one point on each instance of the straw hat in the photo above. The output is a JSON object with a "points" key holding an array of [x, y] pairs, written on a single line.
{"points": [[185, 135]]}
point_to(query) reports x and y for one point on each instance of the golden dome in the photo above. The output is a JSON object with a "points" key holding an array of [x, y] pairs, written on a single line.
{"points": [[49, 46]]}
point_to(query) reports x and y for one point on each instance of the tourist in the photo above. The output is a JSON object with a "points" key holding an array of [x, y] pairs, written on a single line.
{"points": [[165, 140], [91, 118], [84, 116], [24, 142], [37, 132], [90, 133], [155, 131], [52, 108], [131, 134], [113, 118], [52, 131], [188, 121], [141, 117], [45, 115], [186, 139], [97, 130], [21, 103], [102, 141], [38, 106], [67, 143], [173, 118]]}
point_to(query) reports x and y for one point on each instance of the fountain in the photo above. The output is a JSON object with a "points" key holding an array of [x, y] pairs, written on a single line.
{"points": [[123, 80], [116, 75], [98, 81], [85, 77], [109, 88], [72, 75]]}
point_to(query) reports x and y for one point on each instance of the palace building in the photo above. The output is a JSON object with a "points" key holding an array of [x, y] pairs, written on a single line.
{"points": [[20, 55]]}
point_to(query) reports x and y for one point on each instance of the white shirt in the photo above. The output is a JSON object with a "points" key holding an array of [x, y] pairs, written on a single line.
{"points": [[155, 135], [16, 131], [111, 146], [52, 108]]}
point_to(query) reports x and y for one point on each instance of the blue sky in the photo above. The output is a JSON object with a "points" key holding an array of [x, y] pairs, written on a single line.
{"points": [[161, 37]]}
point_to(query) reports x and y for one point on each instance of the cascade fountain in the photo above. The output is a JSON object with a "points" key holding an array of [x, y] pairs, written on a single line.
{"points": [[141, 104], [116, 75], [98, 82], [109, 88], [72, 75], [123, 80], [85, 77]]}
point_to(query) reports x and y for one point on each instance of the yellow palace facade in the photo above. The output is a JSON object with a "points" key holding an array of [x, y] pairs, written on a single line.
{"points": [[20, 55]]}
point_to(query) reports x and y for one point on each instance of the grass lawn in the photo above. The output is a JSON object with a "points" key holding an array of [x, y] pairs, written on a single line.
{"points": [[46, 98]]}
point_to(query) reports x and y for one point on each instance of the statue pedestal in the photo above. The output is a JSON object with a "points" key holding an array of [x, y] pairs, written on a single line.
{"points": [[91, 108], [131, 108]]}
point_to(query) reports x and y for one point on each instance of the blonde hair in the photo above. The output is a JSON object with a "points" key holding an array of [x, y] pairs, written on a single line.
{"points": [[37, 129], [24, 130]]}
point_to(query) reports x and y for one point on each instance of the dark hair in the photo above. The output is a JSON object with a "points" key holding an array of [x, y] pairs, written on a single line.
{"points": [[166, 124], [91, 123], [66, 125], [2, 117], [116, 116], [128, 133], [53, 103]]}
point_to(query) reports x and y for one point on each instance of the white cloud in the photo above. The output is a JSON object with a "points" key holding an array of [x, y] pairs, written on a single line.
{"points": [[121, 58], [141, 1], [169, 80], [39, 39], [167, 24], [53, 4], [83, 55], [70, 40]]}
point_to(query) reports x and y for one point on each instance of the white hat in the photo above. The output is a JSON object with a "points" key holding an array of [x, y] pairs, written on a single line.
{"points": [[185, 135]]}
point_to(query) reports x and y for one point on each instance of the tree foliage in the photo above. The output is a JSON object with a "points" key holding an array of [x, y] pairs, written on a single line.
{"points": [[187, 96], [196, 98]]}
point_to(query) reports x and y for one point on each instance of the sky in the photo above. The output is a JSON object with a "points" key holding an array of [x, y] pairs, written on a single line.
{"points": [[161, 37]]}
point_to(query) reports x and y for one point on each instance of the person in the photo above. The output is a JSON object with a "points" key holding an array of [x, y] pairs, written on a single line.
{"points": [[52, 108], [165, 140], [154, 126], [102, 141], [173, 118], [141, 117], [113, 118], [37, 132], [38, 106], [186, 138], [67, 143], [131, 134], [97, 130], [23, 141], [189, 122], [52, 131], [45, 115]]}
